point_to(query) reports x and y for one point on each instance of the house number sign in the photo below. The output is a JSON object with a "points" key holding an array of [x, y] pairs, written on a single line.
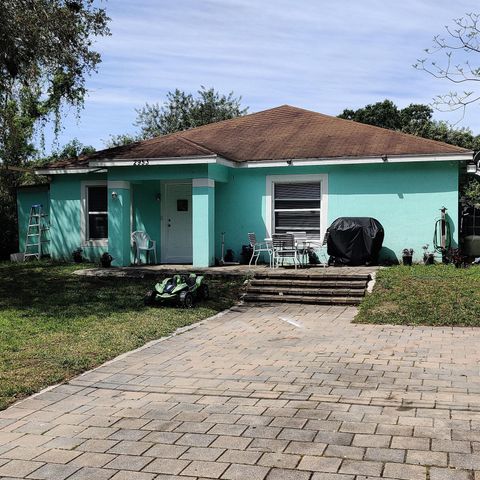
{"points": [[140, 163]]}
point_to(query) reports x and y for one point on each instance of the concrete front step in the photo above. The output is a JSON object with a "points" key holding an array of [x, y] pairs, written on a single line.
{"points": [[305, 275], [298, 282], [319, 292], [318, 300], [303, 287]]}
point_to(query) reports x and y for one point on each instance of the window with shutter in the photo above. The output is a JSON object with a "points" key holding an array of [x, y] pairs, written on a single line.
{"points": [[296, 207]]}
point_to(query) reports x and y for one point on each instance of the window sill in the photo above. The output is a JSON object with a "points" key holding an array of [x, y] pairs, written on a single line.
{"points": [[95, 243]]}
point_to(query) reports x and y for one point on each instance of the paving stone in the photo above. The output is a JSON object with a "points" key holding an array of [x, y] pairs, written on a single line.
{"points": [[126, 447], [283, 474], [411, 443], [306, 448], [420, 457], [124, 475], [54, 471], [19, 468], [448, 474], [385, 455], [99, 446], [237, 443], [374, 441], [404, 472], [336, 438], [91, 473], [208, 454], [319, 464], [128, 434], [205, 469], [242, 472], [239, 456], [267, 445], [334, 476], [468, 461], [196, 440], [58, 456], [92, 459], [355, 453], [262, 432], [279, 460], [167, 466], [162, 437], [23, 453], [225, 429], [163, 450], [297, 434], [361, 467], [128, 462]]}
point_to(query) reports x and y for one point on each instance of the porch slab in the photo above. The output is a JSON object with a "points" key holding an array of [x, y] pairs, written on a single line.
{"points": [[140, 271]]}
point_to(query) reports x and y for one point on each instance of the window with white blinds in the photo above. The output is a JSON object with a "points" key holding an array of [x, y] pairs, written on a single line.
{"points": [[296, 207]]}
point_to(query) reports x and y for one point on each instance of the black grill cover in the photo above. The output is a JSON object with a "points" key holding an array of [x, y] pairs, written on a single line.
{"points": [[355, 240]]}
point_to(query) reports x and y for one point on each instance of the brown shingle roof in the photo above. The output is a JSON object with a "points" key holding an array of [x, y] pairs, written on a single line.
{"points": [[279, 133]]}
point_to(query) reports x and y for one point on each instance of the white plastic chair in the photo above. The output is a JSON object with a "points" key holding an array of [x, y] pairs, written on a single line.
{"points": [[142, 242], [258, 248], [321, 249]]}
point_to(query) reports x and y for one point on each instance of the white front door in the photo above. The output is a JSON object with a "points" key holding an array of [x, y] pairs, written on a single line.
{"points": [[177, 223]]}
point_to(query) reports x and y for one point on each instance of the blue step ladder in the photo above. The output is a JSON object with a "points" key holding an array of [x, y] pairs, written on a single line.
{"points": [[36, 233]]}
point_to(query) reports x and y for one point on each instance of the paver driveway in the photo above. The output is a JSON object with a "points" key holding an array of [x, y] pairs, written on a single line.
{"points": [[281, 392]]}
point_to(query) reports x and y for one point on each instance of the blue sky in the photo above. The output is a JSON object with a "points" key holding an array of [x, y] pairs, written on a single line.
{"points": [[317, 54]]}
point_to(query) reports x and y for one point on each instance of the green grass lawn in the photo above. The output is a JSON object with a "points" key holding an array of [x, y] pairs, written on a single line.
{"points": [[54, 325], [424, 295]]}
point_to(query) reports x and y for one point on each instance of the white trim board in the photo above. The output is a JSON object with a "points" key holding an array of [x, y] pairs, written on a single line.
{"points": [[115, 184], [271, 179], [203, 182]]}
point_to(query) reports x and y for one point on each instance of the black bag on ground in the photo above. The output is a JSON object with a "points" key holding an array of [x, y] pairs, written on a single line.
{"points": [[355, 240]]}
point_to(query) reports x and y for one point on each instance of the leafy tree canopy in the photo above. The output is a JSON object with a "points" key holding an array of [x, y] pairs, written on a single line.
{"points": [[45, 56], [182, 111], [416, 119]]}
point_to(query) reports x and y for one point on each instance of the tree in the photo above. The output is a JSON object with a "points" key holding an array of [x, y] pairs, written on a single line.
{"points": [[181, 111], [462, 41], [45, 56], [416, 119]]}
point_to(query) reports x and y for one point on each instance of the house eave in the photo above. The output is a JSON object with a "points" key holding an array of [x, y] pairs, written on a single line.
{"points": [[101, 165]]}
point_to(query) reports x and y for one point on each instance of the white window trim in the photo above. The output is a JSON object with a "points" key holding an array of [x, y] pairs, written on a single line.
{"points": [[272, 179], [103, 242]]}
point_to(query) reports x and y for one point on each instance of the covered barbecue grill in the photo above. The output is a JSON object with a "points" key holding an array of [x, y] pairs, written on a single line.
{"points": [[355, 240]]}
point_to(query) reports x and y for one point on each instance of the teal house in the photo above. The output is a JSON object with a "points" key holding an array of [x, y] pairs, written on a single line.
{"points": [[278, 170]]}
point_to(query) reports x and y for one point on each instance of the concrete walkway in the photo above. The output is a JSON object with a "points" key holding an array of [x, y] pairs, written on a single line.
{"points": [[285, 392]]}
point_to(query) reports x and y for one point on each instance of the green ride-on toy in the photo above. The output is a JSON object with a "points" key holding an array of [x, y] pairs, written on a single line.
{"points": [[180, 289]]}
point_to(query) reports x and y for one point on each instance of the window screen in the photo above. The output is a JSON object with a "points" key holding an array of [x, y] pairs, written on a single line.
{"points": [[97, 212], [297, 208]]}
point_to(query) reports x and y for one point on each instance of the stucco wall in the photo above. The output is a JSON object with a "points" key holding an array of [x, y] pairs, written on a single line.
{"points": [[405, 198], [65, 210]]}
